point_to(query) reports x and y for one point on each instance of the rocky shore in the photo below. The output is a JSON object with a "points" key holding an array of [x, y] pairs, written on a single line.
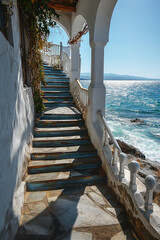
{"points": [[147, 167]]}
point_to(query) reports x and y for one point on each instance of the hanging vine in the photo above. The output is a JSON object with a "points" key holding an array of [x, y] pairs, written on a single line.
{"points": [[79, 35], [38, 17]]}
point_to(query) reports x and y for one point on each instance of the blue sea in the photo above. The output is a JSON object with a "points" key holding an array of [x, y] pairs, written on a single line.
{"points": [[128, 100]]}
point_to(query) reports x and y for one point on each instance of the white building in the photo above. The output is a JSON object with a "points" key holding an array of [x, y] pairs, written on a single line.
{"points": [[17, 108]]}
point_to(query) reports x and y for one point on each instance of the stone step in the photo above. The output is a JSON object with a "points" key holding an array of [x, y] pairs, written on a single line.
{"points": [[61, 116], [63, 161], [55, 74], [62, 155], [62, 138], [59, 123], [72, 140], [50, 150], [63, 167], [60, 131], [66, 182], [56, 79], [55, 83], [57, 98], [52, 70], [54, 101], [57, 93], [58, 104], [60, 143], [56, 175], [58, 134], [55, 88]]}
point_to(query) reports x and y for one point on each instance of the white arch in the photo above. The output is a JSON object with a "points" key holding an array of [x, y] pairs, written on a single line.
{"points": [[77, 24], [65, 22], [64, 28], [103, 19], [98, 15]]}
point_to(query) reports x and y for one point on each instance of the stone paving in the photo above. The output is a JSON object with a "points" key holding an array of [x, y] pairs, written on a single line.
{"points": [[79, 213]]}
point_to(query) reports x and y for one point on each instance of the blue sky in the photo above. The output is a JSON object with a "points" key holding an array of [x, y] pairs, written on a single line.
{"points": [[134, 40]]}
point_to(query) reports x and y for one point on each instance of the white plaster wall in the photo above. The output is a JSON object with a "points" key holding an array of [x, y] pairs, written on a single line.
{"points": [[16, 122], [64, 21]]}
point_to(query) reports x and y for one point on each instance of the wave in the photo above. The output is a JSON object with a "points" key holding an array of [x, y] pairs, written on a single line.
{"points": [[127, 100]]}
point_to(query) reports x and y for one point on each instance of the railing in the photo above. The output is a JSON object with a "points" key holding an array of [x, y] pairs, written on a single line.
{"points": [[52, 56], [58, 56], [51, 59], [66, 50], [116, 169], [55, 50], [66, 62], [117, 152], [80, 95], [133, 166]]}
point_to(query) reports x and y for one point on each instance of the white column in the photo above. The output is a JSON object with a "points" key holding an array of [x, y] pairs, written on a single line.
{"points": [[75, 63], [96, 91]]}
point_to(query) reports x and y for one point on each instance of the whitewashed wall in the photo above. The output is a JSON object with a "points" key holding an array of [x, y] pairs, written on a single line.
{"points": [[16, 122]]}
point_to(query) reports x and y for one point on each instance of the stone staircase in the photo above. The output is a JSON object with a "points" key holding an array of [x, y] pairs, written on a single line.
{"points": [[66, 185], [58, 136]]}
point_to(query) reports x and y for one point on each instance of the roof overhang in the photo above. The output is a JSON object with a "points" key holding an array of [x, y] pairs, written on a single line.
{"points": [[64, 5]]}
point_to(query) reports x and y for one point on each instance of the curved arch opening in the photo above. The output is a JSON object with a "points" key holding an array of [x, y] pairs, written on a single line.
{"points": [[132, 56], [58, 34], [85, 50]]}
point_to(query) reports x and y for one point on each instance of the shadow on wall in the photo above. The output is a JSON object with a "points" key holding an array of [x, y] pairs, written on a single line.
{"points": [[16, 121]]}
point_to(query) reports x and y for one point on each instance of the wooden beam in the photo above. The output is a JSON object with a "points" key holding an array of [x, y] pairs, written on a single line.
{"points": [[62, 7]]}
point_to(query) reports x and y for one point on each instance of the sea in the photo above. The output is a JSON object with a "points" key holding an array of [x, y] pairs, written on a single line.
{"points": [[128, 100]]}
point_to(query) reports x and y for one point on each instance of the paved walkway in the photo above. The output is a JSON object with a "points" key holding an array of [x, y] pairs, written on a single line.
{"points": [[67, 196], [80, 213]]}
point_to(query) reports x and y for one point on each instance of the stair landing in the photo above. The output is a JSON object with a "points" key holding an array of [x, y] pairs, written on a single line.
{"points": [[67, 195], [78, 213]]}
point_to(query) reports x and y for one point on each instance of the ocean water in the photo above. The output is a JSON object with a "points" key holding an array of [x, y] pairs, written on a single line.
{"points": [[127, 100]]}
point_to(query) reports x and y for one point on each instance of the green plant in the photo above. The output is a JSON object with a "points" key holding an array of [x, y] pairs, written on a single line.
{"points": [[38, 17]]}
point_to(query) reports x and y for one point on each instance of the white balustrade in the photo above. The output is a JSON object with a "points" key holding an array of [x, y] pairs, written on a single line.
{"points": [[122, 159], [134, 168], [150, 183], [116, 148], [66, 62], [57, 55], [81, 94], [115, 156]]}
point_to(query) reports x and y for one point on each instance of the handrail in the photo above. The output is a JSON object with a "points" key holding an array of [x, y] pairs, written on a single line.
{"points": [[84, 89], [133, 166], [117, 152], [116, 172], [102, 118], [66, 63], [80, 95]]}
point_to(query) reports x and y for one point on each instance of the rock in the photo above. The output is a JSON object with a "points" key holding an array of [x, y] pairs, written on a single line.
{"points": [[137, 120], [126, 148]]}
